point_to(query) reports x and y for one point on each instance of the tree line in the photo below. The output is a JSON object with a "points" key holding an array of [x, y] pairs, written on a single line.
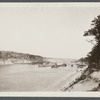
{"points": [[93, 57]]}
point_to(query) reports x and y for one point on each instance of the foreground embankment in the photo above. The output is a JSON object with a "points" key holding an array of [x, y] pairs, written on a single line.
{"points": [[89, 81]]}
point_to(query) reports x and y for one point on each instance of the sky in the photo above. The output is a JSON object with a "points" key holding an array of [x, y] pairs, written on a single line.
{"points": [[46, 30]]}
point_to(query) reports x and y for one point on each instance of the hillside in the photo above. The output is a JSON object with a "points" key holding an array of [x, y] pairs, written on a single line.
{"points": [[10, 57]]}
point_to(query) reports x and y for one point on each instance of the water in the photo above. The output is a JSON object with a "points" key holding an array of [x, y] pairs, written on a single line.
{"points": [[29, 77]]}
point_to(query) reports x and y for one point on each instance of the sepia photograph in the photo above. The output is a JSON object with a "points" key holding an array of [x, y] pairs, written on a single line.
{"points": [[49, 49]]}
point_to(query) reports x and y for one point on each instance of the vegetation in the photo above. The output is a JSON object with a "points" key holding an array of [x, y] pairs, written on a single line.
{"points": [[93, 56], [15, 57]]}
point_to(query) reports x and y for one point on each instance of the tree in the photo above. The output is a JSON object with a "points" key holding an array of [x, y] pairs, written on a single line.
{"points": [[94, 55]]}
